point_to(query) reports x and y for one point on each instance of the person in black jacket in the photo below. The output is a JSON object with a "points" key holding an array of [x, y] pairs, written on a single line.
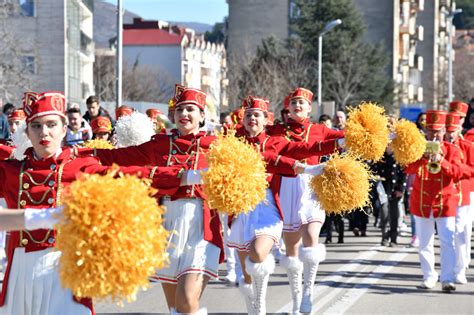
{"points": [[393, 181], [94, 110]]}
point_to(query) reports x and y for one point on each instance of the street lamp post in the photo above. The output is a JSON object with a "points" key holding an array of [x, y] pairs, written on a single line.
{"points": [[118, 78], [329, 26], [450, 16]]}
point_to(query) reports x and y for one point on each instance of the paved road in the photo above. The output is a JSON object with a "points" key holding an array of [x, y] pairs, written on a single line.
{"points": [[358, 277]]}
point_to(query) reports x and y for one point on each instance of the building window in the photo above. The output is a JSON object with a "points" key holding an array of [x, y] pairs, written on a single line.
{"points": [[27, 7], [29, 65], [295, 11]]}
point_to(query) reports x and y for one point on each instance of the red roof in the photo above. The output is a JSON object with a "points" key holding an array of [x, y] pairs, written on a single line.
{"points": [[151, 37]]}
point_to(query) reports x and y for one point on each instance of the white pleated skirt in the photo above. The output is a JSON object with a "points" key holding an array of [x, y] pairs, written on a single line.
{"points": [[188, 251], [265, 221], [34, 286], [298, 203]]}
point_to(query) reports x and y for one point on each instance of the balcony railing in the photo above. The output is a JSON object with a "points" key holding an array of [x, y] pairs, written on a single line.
{"points": [[89, 4], [87, 44]]}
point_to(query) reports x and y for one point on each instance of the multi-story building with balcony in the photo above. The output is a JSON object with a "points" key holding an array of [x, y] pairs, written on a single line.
{"points": [[55, 37], [435, 52], [414, 33], [394, 23], [180, 54]]}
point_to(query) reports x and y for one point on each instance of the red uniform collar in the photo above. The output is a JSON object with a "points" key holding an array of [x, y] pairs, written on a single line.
{"points": [[259, 139], [63, 156], [175, 133], [294, 124]]}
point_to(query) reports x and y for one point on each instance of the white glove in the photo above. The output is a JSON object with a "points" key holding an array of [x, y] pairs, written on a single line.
{"points": [[42, 218], [392, 136], [314, 170], [193, 177], [341, 143]]}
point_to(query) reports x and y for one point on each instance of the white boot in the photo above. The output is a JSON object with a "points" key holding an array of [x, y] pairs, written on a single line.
{"points": [[311, 257], [294, 270], [201, 311], [247, 291], [260, 273]]}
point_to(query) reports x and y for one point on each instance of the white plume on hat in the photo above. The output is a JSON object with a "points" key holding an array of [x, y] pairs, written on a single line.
{"points": [[133, 130], [20, 141]]}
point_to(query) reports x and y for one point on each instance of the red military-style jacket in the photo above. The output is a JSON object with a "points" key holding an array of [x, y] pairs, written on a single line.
{"points": [[6, 149], [305, 132], [436, 194], [467, 157], [469, 135], [39, 183], [281, 155]]}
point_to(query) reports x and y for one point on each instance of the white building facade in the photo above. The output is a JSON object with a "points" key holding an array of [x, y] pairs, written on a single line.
{"points": [[180, 55], [55, 40]]}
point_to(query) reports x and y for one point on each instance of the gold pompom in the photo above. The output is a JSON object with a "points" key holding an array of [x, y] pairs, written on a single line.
{"points": [[343, 186], [409, 143], [235, 181], [98, 144], [367, 133], [111, 237]]}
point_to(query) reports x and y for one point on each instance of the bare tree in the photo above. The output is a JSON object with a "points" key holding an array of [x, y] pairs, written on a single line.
{"points": [[463, 80], [272, 73], [345, 79], [359, 75], [104, 75], [140, 83], [16, 69]]}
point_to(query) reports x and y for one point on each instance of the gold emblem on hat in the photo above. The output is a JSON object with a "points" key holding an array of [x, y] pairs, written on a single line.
{"points": [[201, 99], [103, 123], [178, 90], [435, 117], [57, 102]]}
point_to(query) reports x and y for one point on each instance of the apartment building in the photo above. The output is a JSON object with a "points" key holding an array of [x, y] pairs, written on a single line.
{"points": [[54, 39]]}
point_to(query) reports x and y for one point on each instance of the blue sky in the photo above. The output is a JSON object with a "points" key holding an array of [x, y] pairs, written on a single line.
{"points": [[204, 11]]}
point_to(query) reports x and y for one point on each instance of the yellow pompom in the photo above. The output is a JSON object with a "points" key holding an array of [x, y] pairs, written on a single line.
{"points": [[343, 186], [367, 133], [235, 181], [98, 144], [409, 143], [111, 237]]}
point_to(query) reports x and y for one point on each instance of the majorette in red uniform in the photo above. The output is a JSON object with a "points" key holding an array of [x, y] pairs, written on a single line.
{"points": [[123, 111], [462, 108], [299, 205], [31, 284], [101, 128], [434, 199], [465, 211], [195, 249], [155, 116], [253, 234], [15, 119], [6, 145], [153, 113]]}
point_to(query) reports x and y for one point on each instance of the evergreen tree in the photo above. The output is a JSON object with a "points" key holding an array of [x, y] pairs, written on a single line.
{"points": [[217, 34], [352, 69], [465, 20], [277, 68]]}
